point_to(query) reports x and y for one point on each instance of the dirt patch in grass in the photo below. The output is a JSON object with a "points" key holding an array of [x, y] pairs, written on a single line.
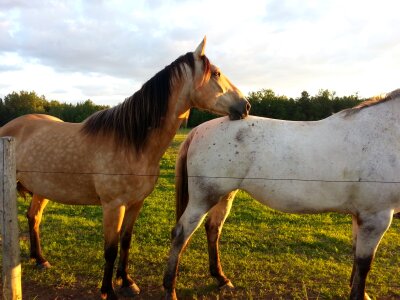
{"points": [[35, 291]]}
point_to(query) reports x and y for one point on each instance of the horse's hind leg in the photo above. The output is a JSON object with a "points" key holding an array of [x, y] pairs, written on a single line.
{"points": [[128, 286], [187, 224], [216, 218], [34, 216], [371, 228], [354, 242]]}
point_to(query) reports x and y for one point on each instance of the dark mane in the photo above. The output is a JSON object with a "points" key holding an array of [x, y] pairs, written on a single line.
{"points": [[130, 121], [372, 102]]}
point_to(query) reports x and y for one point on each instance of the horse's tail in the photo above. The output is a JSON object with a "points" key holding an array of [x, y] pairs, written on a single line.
{"points": [[22, 191], [181, 177]]}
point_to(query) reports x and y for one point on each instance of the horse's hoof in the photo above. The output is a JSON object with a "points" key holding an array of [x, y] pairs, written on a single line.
{"points": [[170, 295], [44, 265], [228, 286], [109, 296], [129, 291]]}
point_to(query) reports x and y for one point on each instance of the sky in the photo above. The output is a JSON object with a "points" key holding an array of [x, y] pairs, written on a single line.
{"points": [[73, 50]]}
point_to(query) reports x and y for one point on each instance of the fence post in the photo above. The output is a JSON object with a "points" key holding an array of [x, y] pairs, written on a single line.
{"points": [[11, 271]]}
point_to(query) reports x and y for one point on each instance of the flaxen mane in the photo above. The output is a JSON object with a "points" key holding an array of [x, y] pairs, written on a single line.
{"points": [[130, 121], [373, 101]]}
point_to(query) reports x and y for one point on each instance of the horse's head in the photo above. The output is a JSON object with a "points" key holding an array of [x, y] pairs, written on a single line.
{"points": [[213, 90]]}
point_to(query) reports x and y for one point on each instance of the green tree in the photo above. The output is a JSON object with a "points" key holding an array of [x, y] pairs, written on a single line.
{"points": [[197, 117], [304, 106], [18, 104], [2, 110], [85, 109], [54, 108], [266, 103]]}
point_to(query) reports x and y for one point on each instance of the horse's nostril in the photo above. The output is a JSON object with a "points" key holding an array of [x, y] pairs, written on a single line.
{"points": [[239, 110]]}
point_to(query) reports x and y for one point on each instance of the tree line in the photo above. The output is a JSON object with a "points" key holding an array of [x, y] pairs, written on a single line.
{"points": [[264, 103], [17, 104]]}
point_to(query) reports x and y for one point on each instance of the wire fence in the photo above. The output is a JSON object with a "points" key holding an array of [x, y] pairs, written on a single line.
{"points": [[172, 176]]}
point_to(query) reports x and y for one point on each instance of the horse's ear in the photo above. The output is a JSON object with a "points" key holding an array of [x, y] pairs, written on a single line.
{"points": [[199, 52]]}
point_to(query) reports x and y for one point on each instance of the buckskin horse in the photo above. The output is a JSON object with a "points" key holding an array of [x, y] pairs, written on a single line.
{"points": [[112, 158], [347, 163]]}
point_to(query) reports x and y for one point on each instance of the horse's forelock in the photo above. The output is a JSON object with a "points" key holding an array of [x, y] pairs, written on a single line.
{"points": [[130, 121]]}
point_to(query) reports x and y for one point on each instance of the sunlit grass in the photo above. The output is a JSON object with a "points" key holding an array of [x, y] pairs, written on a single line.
{"points": [[266, 254]]}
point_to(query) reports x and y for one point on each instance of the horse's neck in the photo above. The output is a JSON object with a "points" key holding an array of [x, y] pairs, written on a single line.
{"points": [[178, 108]]}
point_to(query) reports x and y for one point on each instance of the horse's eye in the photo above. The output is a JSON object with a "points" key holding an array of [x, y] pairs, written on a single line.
{"points": [[217, 74]]}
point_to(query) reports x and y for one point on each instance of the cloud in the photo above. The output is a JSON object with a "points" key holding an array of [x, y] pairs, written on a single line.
{"points": [[106, 39], [92, 47], [99, 39]]}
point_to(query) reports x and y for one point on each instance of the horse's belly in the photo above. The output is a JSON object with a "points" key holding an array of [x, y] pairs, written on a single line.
{"points": [[314, 197], [62, 188]]}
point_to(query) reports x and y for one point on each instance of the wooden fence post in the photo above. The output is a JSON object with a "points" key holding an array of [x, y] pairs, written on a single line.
{"points": [[11, 271]]}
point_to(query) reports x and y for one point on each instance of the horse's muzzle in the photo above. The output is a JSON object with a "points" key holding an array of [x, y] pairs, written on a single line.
{"points": [[240, 110]]}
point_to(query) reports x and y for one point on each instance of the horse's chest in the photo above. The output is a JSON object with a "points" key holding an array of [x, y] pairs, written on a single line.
{"points": [[126, 186]]}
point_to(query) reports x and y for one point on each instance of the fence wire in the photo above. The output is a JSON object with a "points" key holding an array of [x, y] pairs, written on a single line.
{"points": [[170, 176]]}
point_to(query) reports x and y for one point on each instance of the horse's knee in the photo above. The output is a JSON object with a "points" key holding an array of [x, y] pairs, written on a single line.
{"points": [[110, 253], [126, 241], [177, 235]]}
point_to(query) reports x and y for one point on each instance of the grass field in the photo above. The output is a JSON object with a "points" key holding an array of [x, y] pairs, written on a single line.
{"points": [[266, 254]]}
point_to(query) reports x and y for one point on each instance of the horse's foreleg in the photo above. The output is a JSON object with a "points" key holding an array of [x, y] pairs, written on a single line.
{"points": [[34, 216], [128, 286], [188, 223], [112, 222], [214, 223], [371, 228]]}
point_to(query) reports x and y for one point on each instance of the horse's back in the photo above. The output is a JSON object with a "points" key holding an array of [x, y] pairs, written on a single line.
{"points": [[39, 117], [36, 134], [26, 124]]}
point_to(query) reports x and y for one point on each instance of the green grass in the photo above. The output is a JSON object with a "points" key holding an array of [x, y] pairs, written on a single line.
{"points": [[266, 254]]}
